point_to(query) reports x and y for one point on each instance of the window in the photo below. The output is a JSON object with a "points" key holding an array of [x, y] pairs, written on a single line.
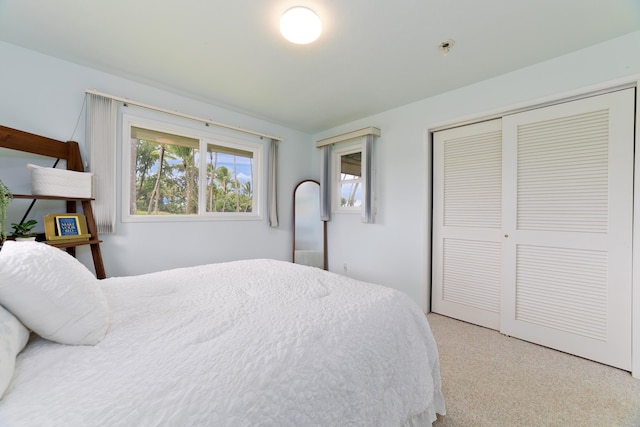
{"points": [[353, 173], [348, 179], [177, 174]]}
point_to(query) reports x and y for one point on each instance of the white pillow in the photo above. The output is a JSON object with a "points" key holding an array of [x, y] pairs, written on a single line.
{"points": [[52, 293], [13, 338]]}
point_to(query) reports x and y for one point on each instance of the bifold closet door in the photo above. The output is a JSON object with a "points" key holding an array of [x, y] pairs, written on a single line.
{"points": [[467, 223], [567, 221]]}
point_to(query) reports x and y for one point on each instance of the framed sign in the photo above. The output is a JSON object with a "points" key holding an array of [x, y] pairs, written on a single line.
{"points": [[67, 225], [61, 228]]}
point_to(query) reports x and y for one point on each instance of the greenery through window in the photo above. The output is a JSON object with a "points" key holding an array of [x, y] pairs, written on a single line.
{"points": [[166, 172], [348, 162], [229, 180], [351, 180]]}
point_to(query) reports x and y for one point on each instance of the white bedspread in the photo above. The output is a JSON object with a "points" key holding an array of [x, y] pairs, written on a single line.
{"points": [[245, 343]]}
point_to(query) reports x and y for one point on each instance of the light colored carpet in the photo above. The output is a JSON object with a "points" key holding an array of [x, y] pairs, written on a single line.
{"points": [[492, 380]]}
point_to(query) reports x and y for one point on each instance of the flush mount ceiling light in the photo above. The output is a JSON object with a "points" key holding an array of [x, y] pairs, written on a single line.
{"points": [[300, 25]]}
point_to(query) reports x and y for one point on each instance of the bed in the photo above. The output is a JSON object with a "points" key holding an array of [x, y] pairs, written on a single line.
{"points": [[243, 343]]}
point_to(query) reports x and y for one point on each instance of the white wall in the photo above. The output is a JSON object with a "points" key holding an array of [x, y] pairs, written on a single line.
{"points": [[44, 95], [395, 251]]}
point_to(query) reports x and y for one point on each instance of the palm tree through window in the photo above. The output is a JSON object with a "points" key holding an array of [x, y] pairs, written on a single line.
{"points": [[168, 170]]}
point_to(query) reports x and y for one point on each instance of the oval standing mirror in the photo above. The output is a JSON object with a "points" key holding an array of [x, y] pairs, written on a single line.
{"points": [[309, 232]]}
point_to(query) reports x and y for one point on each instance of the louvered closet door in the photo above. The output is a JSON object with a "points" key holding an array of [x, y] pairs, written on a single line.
{"points": [[567, 211], [467, 224]]}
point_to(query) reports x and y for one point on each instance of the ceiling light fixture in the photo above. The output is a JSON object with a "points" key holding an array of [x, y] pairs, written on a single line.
{"points": [[300, 25]]}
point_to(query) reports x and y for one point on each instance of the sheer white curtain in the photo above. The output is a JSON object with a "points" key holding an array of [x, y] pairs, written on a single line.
{"points": [[367, 178], [273, 183], [325, 183], [101, 140]]}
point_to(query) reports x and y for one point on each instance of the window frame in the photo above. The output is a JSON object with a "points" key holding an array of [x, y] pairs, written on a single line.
{"points": [[337, 181], [205, 138]]}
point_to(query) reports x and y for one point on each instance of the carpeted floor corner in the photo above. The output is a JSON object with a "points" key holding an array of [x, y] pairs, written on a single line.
{"points": [[493, 380]]}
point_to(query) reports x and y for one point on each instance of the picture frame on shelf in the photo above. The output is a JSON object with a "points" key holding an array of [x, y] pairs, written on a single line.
{"points": [[63, 228], [67, 225]]}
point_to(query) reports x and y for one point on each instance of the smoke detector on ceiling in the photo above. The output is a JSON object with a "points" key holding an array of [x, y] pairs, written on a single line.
{"points": [[446, 46]]}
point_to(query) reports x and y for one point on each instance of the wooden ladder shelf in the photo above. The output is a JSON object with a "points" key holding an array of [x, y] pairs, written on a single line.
{"points": [[70, 152]]}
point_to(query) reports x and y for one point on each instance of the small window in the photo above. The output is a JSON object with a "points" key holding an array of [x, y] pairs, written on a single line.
{"points": [[176, 175], [348, 164]]}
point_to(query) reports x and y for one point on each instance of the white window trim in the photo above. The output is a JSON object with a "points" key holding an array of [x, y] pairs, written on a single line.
{"points": [[336, 182], [205, 138]]}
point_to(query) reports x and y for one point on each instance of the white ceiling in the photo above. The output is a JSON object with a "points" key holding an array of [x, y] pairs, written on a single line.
{"points": [[373, 55]]}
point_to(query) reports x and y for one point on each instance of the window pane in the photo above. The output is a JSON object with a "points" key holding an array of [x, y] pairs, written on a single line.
{"points": [[229, 179], [166, 173], [351, 165], [173, 175], [351, 194]]}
